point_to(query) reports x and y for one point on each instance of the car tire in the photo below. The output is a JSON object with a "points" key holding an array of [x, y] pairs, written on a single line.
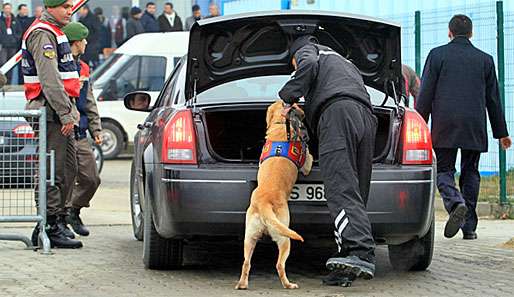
{"points": [[158, 252], [136, 203], [99, 157], [414, 255], [112, 140]]}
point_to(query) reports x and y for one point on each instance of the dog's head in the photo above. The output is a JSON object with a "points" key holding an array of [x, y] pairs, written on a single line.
{"points": [[275, 115]]}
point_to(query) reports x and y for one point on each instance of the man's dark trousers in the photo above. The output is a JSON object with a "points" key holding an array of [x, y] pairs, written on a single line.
{"points": [[346, 132], [469, 182]]}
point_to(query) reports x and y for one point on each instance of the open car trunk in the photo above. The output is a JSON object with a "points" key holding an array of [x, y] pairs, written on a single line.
{"points": [[236, 133]]}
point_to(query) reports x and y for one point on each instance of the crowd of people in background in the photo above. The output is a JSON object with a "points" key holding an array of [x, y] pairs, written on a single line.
{"points": [[105, 33]]}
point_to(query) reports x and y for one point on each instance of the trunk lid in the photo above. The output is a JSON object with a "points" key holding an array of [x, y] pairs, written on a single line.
{"points": [[256, 44]]}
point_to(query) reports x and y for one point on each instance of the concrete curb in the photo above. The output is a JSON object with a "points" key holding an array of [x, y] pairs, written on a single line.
{"points": [[484, 210]]}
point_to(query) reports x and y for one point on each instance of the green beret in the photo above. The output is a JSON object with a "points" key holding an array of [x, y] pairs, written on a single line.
{"points": [[53, 3], [75, 31]]}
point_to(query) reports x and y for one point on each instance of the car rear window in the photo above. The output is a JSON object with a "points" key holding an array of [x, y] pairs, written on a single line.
{"points": [[261, 89]]}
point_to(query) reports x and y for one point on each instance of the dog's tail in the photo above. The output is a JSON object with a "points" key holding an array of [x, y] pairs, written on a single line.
{"points": [[271, 221]]}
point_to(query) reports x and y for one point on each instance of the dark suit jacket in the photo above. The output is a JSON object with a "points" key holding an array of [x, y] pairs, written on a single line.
{"points": [[458, 86], [164, 24]]}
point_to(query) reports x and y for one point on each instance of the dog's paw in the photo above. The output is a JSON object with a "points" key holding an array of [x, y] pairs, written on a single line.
{"points": [[291, 286], [306, 169], [241, 286]]}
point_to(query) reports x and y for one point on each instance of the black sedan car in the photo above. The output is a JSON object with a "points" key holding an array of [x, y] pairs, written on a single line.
{"points": [[197, 154]]}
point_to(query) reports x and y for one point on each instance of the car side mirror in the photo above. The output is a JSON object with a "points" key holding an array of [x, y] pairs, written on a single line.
{"points": [[138, 101]]}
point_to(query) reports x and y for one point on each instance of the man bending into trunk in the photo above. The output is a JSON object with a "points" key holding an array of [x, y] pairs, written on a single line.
{"points": [[338, 108]]}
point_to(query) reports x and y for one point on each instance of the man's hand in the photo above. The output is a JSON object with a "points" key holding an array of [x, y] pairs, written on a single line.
{"points": [[288, 107], [506, 142], [98, 139], [67, 129]]}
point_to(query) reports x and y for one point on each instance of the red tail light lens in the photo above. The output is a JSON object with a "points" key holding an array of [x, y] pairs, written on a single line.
{"points": [[417, 142], [23, 131], [179, 140]]}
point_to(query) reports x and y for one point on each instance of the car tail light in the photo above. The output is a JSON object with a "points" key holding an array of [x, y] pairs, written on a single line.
{"points": [[23, 131], [417, 142], [179, 139]]}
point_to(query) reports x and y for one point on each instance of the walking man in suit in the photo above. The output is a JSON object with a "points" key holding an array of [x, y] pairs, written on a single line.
{"points": [[458, 87]]}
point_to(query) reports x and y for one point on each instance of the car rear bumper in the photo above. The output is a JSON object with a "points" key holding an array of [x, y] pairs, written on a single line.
{"points": [[212, 201]]}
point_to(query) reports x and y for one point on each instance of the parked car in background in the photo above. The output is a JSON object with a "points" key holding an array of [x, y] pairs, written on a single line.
{"points": [[141, 63], [197, 152]]}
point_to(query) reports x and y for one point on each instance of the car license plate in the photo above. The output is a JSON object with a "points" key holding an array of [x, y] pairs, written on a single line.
{"points": [[2, 140], [308, 192]]}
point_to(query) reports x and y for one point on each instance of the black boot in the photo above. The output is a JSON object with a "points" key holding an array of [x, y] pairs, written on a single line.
{"points": [[58, 239], [61, 222], [56, 235], [35, 235], [76, 222]]}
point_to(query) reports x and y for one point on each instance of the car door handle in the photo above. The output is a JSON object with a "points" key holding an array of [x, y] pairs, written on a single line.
{"points": [[145, 125]]}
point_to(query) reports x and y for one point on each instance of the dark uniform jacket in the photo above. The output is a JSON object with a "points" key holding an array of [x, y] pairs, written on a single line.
{"points": [[323, 76], [458, 86]]}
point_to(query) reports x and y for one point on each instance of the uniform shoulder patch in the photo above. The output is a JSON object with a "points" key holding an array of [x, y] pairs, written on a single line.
{"points": [[49, 51]]}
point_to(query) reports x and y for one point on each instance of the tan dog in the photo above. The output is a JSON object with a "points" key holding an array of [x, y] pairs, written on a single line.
{"points": [[268, 212]]}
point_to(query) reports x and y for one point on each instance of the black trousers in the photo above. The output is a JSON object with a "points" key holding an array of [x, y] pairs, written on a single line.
{"points": [[469, 182], [346, 133]]}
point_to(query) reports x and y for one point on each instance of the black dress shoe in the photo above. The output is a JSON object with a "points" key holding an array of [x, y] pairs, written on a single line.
{"points": [[455, 221], [470, 236]]}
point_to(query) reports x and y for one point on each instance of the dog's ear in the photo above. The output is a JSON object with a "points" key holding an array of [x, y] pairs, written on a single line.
{"points": [[269, 116], [272, 109]]}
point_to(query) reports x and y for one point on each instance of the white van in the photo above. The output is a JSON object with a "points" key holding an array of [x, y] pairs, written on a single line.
{"points": [[142, 63]]}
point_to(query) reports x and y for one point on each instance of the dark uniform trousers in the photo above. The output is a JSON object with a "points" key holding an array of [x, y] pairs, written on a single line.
{"points": [[346, 132], [65, 168], [469, 182], [88, 180]]}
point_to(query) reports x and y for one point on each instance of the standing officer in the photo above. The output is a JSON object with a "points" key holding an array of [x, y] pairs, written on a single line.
{"points": [[51, 80], [458, 86], [88, 179], [338, 106]]}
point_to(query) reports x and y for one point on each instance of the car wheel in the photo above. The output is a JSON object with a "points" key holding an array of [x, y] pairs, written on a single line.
{"points": [[112, 140], [158, 252], [99, 157], [414, 255], [136, 203]]}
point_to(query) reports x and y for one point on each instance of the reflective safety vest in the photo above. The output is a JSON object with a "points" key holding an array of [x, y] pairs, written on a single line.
{"points": [[66, 65], [83, 70]]}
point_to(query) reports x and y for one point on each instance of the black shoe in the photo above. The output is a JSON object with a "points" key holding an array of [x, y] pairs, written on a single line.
{"points": [[352, 266], [470, 236], [76, 222], [455, 221], [339, 278], [58, 239], [61, 222]]}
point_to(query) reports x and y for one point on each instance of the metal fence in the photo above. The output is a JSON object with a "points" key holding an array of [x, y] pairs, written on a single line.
{"points": [[432, 32], [22, 158]]}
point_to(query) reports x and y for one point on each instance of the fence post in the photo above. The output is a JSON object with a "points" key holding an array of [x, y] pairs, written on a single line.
{"points": [[501, 79], [417, 38]]}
